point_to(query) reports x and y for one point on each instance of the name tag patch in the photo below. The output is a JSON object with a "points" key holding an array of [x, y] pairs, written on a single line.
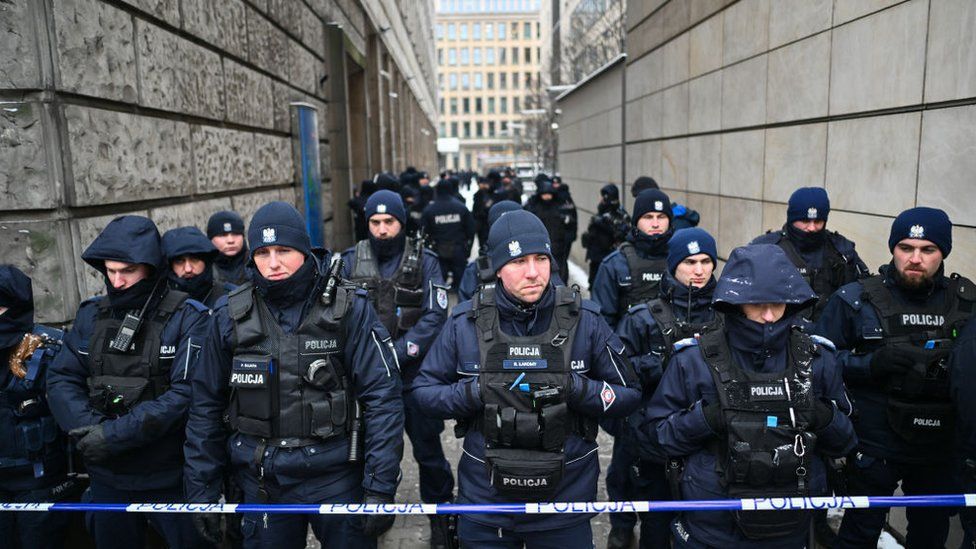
{"points": [[525, 364], [250, 373]]}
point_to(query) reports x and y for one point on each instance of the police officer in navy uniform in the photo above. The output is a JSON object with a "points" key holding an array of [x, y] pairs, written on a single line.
{"points": [[225, 229], [753, 409], [633, 273], [190, 256], [479, 273], [962, 360], [826, 259], [607, 229], [527, 368], [407, 290], [450, 228], [303, 369], [894, 331], [559, 221], [120, 384], [33, 455], [649, 332]]}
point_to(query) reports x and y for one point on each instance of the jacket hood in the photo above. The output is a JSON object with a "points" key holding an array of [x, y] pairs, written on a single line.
{"points": [[130, 239], [187, 241], [17, 295], [761, 273]]}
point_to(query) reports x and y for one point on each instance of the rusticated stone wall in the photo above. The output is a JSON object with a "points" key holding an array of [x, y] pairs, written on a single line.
{"points": [[167, 108]]}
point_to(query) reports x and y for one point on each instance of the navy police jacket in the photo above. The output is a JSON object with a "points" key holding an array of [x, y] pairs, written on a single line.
{"points": [[962, 379], [613, 276], [675, 415], [450, 226], [414, 344], [322, 468], [447, 387]]}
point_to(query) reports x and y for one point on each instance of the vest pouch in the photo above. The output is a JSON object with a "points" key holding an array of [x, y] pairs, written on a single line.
{"points": [[406, 297], [753, 464], [445, 249], [329, 415], [761, 525], [524, 475], [554, 424], [921, 422], [114, 395], [251, 379]]}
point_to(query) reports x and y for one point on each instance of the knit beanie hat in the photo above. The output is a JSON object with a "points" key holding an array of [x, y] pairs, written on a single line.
{"points": [[651, 200], [278, 224], [225, 221], [515, 234], [923, 223], [386, 202], [808, 203], [688, 242], [641, 184], [500, 208]]}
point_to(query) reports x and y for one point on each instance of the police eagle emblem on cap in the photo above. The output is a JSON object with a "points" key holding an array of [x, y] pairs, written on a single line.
{"points": [[514, 248], [693, 247], [381, 208], [917, 231], [658, 205], [268, 235], [227, 227], [811, 213]]}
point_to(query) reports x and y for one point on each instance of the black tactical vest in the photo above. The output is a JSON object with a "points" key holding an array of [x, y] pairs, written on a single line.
{"points": [[523, 382], [398, 300], [835, 271], [674, 330], [645, 277], [486, 275], [120, 380], [290, 388], [768, 448], [919, 405]]}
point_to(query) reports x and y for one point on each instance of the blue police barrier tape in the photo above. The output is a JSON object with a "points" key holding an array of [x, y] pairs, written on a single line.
{"points": [[755, 504]]}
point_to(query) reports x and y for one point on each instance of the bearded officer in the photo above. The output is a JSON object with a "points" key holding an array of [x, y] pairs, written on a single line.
{"points": [[894, 332], [225, 229], [752, 409], [292, 355], [649, 332], [527, 368], [120, 384], [190, 256], [826, 259], [33, 456], [406, 288]]}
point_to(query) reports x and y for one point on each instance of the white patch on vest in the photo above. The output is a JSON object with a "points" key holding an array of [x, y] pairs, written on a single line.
{"points": [[227, 228], [651, 277], [246, 378], [811, 213], [577, 365], [607, 396], [268, 235], [322, 345], [526, 482], [922, 320], [658, 205], [514, 248], [447, 218], [531, 351], [167, 349], [917, 231], [693, 247], [926, 422], [774, 390], [381, 208]]}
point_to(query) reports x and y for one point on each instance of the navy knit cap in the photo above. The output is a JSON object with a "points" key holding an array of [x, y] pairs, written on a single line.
{"points": [[278, 224], [386, 202], [386, 180], [500, 208], [641, 184], [516, 234], [610, 190], [187, 241], [808, 203], [225, 222], [923, 223], [651, 200], [688, 242]]}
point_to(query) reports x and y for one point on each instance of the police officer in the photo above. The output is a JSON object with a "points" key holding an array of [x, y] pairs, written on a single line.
{"points": [[759, 370], [825, 258], [33, 456], [479, 274], [225, 229], [633, 273], [963, 387], [415, 208], [528, 367], [301, 366], [482, 201], [356, 205], [568, 209], [641, 184], [190, 256], [407, 290], [560, 224], [894, 331], [607, 229], [649, 332], [120, 384], [450, 227]]}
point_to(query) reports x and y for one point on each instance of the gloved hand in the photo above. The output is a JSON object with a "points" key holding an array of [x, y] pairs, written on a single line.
{"points": [[714, 417], [888, 361], [823, 414], [92, 443], [375, 526], [208, 525]]}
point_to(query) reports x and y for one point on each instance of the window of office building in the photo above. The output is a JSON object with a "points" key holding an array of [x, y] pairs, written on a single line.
{"points": [[504, 126], [479, 129], [501, 56], [466, 106], [527, 30], [440, 30], [440, 56], [465, 81], [451, 31], [452, 56], [453, 80], [463, 31], [442, 107], [440, 81], [503, 80], [503, 105], [489, 56], [491, 80], [491, 105], [454, 129], [476, 31], [515, 105], [514, 30], [528, 80], [491, 128], [538, 30], [527, 55], [454, 105], [465, 56], [478, 82], [467, 161], [515, 81], [515, 56], [501, 31], [477, 106], [442, 132], [476, 56], [489, 31], [467, 129]]}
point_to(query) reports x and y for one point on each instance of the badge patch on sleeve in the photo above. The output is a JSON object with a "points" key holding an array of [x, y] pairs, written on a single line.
{"points": [[412, 349], [442, 297], [607, 396]]}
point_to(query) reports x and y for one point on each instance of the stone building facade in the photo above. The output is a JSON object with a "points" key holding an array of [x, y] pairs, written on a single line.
{"points": [[731, 105], [177, 108]]}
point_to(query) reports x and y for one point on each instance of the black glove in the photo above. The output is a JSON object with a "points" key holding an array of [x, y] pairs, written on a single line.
{"points": [[92, 443], [208, 526], [823, 414], [888, 361], [376, 525], [714, 417]]}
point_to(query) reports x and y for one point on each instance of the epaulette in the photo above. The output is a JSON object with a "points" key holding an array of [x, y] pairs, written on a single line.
{"points": [[199, 307], [822, 341], [362, 292], [461, 308], [590, 305], [91, 300], [685, 343], [639, 307], [851, 296]]}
